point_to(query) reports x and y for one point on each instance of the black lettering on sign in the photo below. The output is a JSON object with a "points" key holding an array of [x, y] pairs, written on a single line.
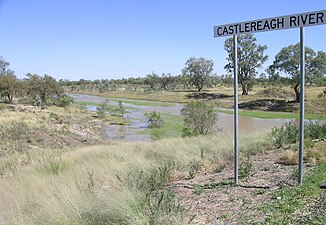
{"points": [[303, 19], [236, 28], [219, 31], [241, 30], [225, 31], [280, 22], [231, 29], [320, 16], [273, 23], [266, 25], [293, 21], [253, 26], [247, 28], [312, 18], [259, 25]]}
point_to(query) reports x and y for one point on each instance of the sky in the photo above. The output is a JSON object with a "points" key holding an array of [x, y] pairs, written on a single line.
{"points": [[111, 39]]}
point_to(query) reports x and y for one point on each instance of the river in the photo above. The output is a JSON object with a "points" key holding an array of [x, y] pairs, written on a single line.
{"points": [[135, 114]]}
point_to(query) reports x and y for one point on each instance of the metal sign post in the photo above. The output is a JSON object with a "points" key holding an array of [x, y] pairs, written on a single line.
{"points": [[302, 85], [235, 73], [269, 24]]}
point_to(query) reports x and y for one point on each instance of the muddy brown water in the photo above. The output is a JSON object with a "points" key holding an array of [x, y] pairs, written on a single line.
{"points": [[135, 114]]}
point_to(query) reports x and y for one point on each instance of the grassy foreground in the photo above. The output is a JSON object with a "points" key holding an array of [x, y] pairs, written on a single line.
{"points": [[129, 183], [111, 184]]}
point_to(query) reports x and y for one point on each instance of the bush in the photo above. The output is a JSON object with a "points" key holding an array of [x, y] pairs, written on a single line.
{"points": [[289, 132], [154, 120], [199, 118], [65, 100], [102, 108]]}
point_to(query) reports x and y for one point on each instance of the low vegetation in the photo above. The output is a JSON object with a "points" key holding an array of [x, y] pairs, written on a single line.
{"points": [[124, 184], [199, 118], [26, 128]]}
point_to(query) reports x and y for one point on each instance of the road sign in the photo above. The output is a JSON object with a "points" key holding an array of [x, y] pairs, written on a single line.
{"points": [[270, 24], [275, 23]]}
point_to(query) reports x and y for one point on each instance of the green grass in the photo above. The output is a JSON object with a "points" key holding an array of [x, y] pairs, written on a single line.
{"points": [[144, 103], [274, 115], [287, 204], [172, 127], [86, 103]]}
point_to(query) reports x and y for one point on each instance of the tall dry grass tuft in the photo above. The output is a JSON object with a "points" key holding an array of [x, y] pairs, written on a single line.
{"points": [[119, 183]]}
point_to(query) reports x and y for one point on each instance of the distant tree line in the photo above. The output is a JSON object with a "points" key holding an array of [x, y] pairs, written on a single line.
{"points": [[197, 74], [34, 89]]}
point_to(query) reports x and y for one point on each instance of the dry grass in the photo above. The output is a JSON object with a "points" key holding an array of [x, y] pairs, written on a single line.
{"points": [[81, 186], [289, 157], [25, 131]]}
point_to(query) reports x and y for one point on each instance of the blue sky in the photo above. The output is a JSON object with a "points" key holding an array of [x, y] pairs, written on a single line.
{"points": [[105, 39]]}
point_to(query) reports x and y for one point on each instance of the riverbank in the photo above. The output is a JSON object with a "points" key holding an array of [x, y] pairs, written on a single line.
{"points": [[26, 130], [261, 103]]}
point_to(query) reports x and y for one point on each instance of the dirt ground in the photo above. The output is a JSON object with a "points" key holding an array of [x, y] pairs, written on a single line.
{"points": [[211, 198]]}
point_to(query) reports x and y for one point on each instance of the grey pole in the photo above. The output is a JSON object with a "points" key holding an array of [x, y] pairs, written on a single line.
{"points": [[302, 85], [235, 71]]}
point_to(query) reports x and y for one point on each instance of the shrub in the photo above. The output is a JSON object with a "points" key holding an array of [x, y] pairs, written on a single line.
{"points": [[157, 203], [199, 118], [100, 110], [289, 132], [154, 120], [122, 109], [65, 100]]}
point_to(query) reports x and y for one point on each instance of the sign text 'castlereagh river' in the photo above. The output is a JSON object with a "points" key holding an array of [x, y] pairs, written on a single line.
{"points": [[274, 23]]}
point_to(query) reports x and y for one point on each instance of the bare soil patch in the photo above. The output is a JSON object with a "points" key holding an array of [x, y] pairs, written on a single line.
{"points": [[211, 198]]}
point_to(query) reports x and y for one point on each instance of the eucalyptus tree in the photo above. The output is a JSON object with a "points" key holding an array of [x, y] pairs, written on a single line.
{"points": [[198, 70], [288, 61], [251, 57]]}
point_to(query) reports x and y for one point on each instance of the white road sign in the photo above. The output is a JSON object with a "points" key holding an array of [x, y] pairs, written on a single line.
{"points": [[274, 23]]}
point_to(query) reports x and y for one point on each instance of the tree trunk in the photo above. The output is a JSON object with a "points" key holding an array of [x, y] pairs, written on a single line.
{"points": [[244, 87], [10, 97], [297, 93]]}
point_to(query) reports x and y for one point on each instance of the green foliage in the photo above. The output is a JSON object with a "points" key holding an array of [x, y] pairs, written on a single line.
{"points": [[285, 202], [289, 132], [245, 170], [46, 88], [154, 120], [198, 189], [198, 71], [288, 61], [121, 108], [52, 164], [9, 84], [91, 182], [65, 100], [167, 81], [250, 58], [37, 101], [3, 106], [199, 118], [193, 170], [172, 127], [156, 202], [102, 108], [152, 80]]}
